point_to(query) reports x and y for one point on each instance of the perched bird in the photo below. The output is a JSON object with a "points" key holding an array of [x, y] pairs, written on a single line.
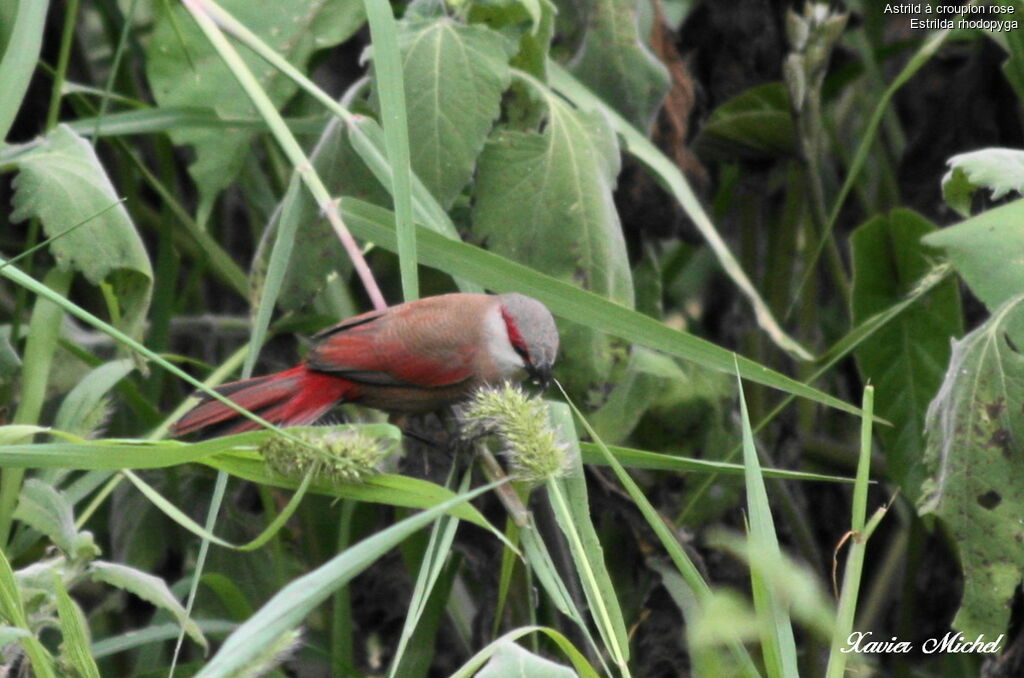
{"points": [[408, 359]]}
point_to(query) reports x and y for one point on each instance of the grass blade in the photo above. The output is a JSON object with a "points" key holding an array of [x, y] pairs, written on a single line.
{"points": [[387, 69], [777, 641], [286, 610]]}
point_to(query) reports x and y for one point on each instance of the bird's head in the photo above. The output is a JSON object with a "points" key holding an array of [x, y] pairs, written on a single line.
{"points": [[532, 333]]}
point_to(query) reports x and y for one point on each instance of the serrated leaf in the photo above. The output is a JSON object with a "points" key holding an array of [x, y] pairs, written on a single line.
{"points": [[151, 589], [1001, 170], [906, 359], [512, 661], [615, 62], [86, 403], [183, 68], [988, 252], [975, 456], [545, 200], [454, 79], [61, 181], [47, 510]]}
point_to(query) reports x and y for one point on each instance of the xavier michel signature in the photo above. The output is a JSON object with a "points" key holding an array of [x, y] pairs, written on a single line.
{"points": [[951, 643]]}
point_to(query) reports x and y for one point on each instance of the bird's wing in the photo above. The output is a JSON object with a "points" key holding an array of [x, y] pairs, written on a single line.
{"points": [[368, 349]]}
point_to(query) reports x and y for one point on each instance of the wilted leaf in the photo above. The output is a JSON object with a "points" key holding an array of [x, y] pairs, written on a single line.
{"points": [[545, 199], [1001, 170], [62, 182], [512, 661], [988, 251], [149, 588], [45, 509], [183, 69], [454, 79], [975, 455], [906, 359], [615, 62]]}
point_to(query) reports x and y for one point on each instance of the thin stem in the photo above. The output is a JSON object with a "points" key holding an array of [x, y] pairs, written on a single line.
{"points": [[328, 206]]}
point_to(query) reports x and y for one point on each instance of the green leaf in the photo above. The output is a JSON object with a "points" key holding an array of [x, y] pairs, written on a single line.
{"points": [[777, 643], [615, 62], [183, 68], [568, 496], [979, 247], [75, 631], [454, 79], [13, 610], [286, 610], [84, 407], [512, 661], [20, 55], [668, 173], [546, 200], [62, 182], [647, 376], [975, 455], [754, 124], [151, 589], [907, 357], [48, 511], [1001, 170]]}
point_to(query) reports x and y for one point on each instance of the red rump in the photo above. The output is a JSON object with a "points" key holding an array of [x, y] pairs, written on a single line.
{"points": [[294, 397]]}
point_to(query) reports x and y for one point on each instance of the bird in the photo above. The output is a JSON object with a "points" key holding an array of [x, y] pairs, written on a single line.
{"points": [[411, 358]]}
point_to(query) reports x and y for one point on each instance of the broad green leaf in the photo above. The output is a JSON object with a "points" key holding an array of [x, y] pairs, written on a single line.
{"points": [[454, 79], [151, 589], [975, 456], [75, 631], [286, 610], [615, 62], [62, 182], [1001, 170], [985, 250], [754, 124], [545, 199], [512, 661], [669, 174], [905, 359], [83, 409], [183, 69], [22, 40], [47, 510]]}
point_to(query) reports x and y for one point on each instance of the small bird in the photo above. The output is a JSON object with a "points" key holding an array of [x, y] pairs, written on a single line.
{"points": [[412, 358]]}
